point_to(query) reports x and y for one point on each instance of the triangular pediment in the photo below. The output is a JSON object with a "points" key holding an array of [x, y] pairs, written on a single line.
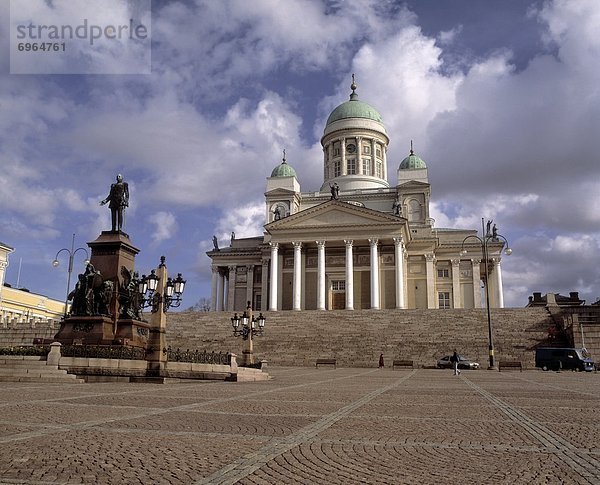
{"points": [[414, 183], [335, 214]]}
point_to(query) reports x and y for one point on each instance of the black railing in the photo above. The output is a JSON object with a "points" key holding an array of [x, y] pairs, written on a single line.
{"points": [[197, 356], [103, 352]]}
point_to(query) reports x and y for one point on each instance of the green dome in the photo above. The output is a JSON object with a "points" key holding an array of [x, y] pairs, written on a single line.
{"points": [[283, 170], [354, 109], [412, 162]]}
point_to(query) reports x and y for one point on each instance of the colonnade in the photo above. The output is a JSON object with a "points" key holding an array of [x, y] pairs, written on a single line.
{"points": [[224, 279], [349, 273]]}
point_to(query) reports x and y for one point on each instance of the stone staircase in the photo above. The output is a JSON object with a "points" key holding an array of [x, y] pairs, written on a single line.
{"points": [[24, 333], [356, 338], [18, 368]]}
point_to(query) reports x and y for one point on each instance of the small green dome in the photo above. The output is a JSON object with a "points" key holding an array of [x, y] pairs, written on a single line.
{"points": [[283, 169], [354, 109], [412, 162]]}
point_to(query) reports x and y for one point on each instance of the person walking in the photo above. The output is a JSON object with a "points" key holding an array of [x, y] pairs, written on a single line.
{"points": [[381, 361], [455, 359]]}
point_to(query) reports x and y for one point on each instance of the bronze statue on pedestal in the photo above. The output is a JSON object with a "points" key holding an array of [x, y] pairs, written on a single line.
{"points": [[118, 199]]}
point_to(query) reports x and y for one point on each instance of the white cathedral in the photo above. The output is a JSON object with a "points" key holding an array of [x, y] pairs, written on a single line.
{"points": [[357, 242]]}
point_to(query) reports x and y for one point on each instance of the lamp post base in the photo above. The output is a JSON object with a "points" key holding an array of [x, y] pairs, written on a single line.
{"points": [[247, 357]]}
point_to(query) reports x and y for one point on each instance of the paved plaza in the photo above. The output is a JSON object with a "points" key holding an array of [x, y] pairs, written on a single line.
{"points": [[307, 425]]}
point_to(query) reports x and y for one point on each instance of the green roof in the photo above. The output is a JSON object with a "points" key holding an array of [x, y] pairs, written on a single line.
{"points": [[283, 170], [412, 162], [354, 109]]}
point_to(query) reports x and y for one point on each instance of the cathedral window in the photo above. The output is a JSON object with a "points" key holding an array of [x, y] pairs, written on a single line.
{"points": [[443, 273], [444, 300], [351, 166], [336, 149], [367, 150], [338, 285], [378, 151], [378, 169], [337, 169], [366, 163]]}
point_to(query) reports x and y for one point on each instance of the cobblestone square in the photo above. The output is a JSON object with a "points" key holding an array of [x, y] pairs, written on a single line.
{"points": [[306, 425]]}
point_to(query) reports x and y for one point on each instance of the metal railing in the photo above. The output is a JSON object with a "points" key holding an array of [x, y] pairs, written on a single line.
{"points": [[197, 356], [103, 352], [35, 350]]}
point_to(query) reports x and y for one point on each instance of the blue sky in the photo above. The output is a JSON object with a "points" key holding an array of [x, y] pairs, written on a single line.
{"points": [[500, 97]]}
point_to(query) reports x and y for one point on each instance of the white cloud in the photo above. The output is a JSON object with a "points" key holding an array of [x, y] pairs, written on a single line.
{"points": [[245, 221], [165, 226], [447, 36]]}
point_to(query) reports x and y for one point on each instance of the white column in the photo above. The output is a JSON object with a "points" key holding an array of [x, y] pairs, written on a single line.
{"points": [[430, 268], [321, 275], [221, 291], [250, 284], [399, 258], [456, 283], [214, 284], [264, 285], [274, 274], [231, 289], [498, 283], [384, 168], [343, 152], [476, 283], [349, 275], [375, 298], [297, 275], [372, 164]]}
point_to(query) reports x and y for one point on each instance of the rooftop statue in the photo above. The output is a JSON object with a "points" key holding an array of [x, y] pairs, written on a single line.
{"points": [[118, 199]]}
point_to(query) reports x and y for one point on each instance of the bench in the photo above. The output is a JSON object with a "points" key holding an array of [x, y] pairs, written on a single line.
{"points": [[510, 364], [403, 363], [326, 362]]}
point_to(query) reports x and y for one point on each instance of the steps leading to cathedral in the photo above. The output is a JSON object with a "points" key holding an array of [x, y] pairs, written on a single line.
{"points": [[356, 338]]}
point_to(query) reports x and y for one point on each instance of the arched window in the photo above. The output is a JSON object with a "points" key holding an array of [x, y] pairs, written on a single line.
{"points": [[414, 210]]}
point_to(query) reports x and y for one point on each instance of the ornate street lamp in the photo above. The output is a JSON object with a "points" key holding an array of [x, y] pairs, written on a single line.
{"points": [[489, 234], [149, 297], [250, 326], [71, 253]]}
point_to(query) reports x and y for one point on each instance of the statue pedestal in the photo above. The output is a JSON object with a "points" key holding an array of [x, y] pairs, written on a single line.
{"points": [[99, 330], [110, 252], [96, 330], [132, 333]]}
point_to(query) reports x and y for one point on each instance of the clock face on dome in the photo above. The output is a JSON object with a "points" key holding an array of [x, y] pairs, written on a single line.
{"points": [[350, 147]]}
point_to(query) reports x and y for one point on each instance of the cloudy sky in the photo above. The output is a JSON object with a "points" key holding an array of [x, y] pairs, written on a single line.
{"points": [[501, 98]]}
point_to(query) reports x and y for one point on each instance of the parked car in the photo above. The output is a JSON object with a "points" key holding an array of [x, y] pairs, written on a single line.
{"points": [[463, 363], [563, 358]]}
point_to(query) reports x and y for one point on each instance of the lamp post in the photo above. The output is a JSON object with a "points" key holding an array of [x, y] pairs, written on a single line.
{"points": [[71, 253], [250, 326], [170, 296], [158, 292], [488, 234]]}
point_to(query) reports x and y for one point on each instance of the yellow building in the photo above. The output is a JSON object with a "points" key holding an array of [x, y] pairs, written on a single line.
{"points": [[23, 306]]}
